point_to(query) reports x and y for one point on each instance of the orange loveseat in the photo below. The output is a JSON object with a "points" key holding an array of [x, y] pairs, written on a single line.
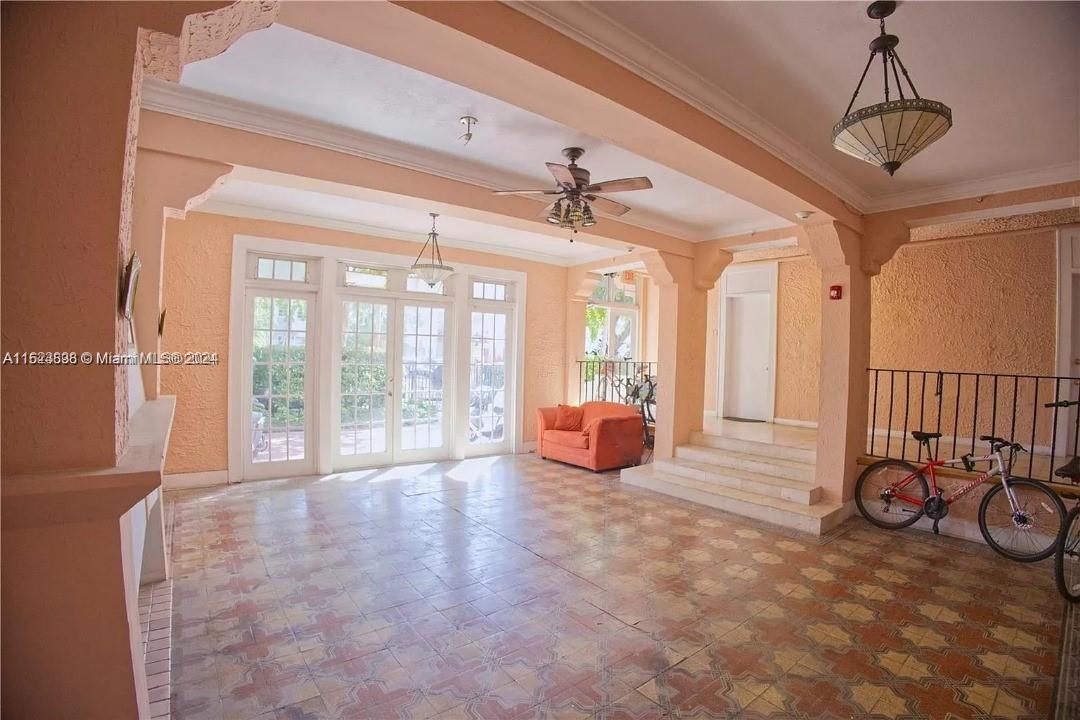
{"points": [[610, 436]]}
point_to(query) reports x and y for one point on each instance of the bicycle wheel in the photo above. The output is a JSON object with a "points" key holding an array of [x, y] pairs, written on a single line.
{"points": [[1067, 557], [1029, 534], [875, 503]]}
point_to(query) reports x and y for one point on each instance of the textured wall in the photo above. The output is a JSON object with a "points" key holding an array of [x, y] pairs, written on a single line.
{"points": [[66, 220], [197, 274], [984, 305], [798, 339]]}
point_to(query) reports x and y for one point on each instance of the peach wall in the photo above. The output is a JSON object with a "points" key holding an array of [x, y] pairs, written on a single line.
{"points": [[988, 305], [197, 277], [712, 347], [798, 345], [66, 219]]}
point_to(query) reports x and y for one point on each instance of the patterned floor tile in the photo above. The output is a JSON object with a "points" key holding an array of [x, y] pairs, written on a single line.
{"points": [[517, 588]]}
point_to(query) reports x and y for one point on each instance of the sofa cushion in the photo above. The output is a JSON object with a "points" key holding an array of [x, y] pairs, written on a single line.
{"points": [[597, 409], [568, 417], [567, 438]]}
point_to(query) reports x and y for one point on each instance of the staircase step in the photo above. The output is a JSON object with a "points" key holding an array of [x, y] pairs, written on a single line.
{"points": [[761, 464], [755, 447], [796, 491], [816, 519]]}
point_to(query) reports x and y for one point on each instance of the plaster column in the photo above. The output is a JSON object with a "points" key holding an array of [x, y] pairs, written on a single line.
{"points": [[845, 355], [683, 285], [580, 285], [165, 186]]}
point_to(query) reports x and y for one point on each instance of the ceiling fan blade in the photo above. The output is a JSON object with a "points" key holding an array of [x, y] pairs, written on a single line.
{"points": [[527, 192], [562, 175], [620, 185], [608, 207]]}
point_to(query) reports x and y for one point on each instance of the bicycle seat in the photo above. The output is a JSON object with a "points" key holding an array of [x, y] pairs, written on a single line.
{"points": [[1070, 470], [924, 436]]}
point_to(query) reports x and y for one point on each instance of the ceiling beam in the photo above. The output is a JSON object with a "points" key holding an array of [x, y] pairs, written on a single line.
{"points": [[375, 181], [494, 49]]}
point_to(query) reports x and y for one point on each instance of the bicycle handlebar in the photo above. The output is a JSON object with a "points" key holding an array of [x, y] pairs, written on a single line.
{"points": [[997, 443]]}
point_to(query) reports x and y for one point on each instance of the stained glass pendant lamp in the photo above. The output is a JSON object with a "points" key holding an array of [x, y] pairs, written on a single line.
{"points": [[890, 133], [430, 267]]}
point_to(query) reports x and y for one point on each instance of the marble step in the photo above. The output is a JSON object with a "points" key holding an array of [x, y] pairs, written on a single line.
{"points": [[755, 447], [796, 491], [761, 464], [816, 519]]}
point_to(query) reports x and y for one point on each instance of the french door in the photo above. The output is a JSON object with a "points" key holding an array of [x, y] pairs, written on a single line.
{"points": [[391, 362], [277, 420], [490, 367]]}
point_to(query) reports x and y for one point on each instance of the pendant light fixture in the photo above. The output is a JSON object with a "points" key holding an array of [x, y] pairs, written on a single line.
{"points": [[431, 267], [889, 133]]}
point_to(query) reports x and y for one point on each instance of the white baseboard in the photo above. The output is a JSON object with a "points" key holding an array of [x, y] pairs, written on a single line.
{"points": [[184, 481], [795, 423], [527, 447]]}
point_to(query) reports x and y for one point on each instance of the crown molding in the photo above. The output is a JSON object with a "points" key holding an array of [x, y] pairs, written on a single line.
{"points": [[182, 101], [583, 22], [252, 212], [628, 49], [1067, 172], [1041, 206]]}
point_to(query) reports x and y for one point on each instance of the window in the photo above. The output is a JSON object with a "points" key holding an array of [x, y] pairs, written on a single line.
{"points": [[486, 290], [366, 277], [611, 318], [620, 288], [269, 268], [414, 283]]}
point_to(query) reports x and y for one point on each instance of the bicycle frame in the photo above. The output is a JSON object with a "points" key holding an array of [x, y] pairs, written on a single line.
{"points": [[929, 469]]}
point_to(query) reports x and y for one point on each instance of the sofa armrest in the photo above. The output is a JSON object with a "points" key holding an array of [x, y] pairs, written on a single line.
{"points": [[616, 441], [545, 420]]}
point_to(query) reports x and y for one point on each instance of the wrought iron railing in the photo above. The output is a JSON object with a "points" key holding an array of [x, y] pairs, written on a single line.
{"points": [[963, 406], [613, 380]]}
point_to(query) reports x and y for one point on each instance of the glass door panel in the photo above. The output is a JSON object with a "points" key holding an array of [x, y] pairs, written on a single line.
{"points": [[422, 371], [487, 377], [278, 426], [364, 381]]}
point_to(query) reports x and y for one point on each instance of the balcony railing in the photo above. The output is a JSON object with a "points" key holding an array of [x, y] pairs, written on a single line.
{"points": [[963, 406], [622, 381]]}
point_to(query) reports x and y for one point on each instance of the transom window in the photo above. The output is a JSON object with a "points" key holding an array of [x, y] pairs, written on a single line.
{"points": [[618, 288], [488, 290], [276, 268], [415, 283], [366, 277]]}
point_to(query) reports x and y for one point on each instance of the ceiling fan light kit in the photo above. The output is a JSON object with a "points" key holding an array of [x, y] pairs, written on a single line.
{"points": [[578, 196], [890, 133], [431, 267]]}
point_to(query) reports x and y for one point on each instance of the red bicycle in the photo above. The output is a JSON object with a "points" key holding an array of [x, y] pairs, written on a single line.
{"points": [[1019, 518]]}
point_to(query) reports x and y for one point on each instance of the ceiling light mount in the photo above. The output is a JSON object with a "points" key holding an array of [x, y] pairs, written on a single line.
{"points": [[468, 121], [889, 133], [431, 267]]}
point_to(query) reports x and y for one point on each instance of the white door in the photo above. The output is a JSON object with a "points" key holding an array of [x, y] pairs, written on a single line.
{"points": [[490, 397], [747, 359], [278, 385], [365, 382], [420, 380], [391, 365]]}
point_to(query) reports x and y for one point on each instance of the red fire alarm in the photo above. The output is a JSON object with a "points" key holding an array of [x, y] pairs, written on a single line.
{"points": [[836, 292]]}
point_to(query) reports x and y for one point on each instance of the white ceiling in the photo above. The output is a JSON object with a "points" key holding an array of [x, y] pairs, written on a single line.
{"points": [[785, 71], [270, 200], [413, 113]]}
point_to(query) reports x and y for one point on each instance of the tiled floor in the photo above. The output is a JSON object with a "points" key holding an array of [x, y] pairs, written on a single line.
{"points": [[517, 588]]}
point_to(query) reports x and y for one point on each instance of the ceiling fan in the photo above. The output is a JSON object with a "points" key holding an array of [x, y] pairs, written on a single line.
{"points": [[578, 196]]}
